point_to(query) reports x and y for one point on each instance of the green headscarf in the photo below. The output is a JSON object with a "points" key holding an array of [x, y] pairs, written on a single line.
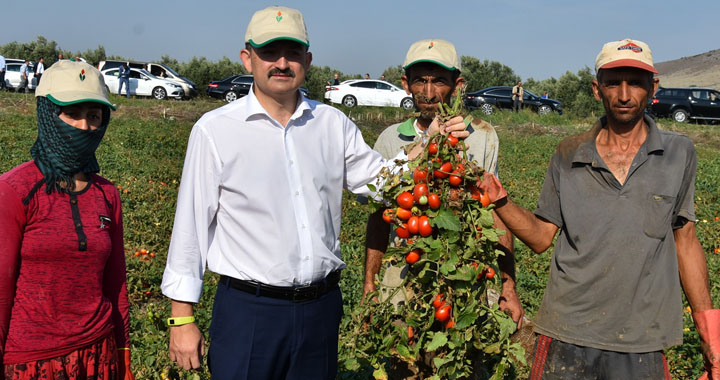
{"points": [[61, 150]]}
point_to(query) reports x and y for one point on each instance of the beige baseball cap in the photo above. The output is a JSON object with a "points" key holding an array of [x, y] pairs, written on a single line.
{"points": [[276, 23], [625, 53], [67, 82], [439, 52]]}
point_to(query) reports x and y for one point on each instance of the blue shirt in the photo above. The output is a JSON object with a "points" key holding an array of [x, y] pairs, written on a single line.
{"points": [[124, 72]]}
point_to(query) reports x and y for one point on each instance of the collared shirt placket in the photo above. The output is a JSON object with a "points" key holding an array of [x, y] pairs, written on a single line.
{"points": [[305, 270]]}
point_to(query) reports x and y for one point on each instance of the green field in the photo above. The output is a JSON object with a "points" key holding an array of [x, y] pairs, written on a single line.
{"points": [[143, 152]]}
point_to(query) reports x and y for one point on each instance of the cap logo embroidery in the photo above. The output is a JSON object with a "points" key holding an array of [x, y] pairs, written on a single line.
{"points": [[632, 47], [82, 75], [431, 45], [279, 16]]}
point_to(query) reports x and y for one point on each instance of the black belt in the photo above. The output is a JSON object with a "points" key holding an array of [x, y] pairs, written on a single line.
{"points": [[295, 294]]}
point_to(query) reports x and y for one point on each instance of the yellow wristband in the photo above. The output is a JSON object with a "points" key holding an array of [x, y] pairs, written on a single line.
{"points": [[179, 321], [123, 349]]}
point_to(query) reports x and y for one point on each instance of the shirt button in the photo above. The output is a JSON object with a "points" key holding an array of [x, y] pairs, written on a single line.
{"points": [[78, 225], [82, 243], [307, 258], [73, 201], [303, 226], [297, 193], [292, 162]]}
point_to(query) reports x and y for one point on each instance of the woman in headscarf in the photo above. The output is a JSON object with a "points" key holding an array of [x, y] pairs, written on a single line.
{"points": [[63, 295]]}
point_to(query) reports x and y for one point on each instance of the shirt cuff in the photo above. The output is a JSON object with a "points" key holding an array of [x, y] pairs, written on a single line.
{"points": [[181, 288]]}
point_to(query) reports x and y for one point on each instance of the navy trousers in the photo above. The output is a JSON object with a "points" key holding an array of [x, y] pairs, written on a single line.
{"points": [[265, 338]]}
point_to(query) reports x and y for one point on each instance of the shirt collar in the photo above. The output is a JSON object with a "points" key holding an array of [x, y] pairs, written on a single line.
{"points": [[252, 106], [586, 151]]}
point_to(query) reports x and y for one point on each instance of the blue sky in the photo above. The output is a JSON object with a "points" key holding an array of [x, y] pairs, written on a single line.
{"points": [[537, 39]]}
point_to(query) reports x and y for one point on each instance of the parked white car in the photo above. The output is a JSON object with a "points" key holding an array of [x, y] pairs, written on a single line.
{"points": [[142, 83], [159, 70], [368, 92], [12, 74]]}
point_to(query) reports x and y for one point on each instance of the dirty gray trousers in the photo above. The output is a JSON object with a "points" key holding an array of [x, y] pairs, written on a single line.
{"points": [[556, 360]]}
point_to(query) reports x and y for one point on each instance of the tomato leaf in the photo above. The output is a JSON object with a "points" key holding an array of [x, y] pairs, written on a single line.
{"points": [[446, 220], [380, 374], [372, 187], [438, 361], [439, 340], [486, 218]]}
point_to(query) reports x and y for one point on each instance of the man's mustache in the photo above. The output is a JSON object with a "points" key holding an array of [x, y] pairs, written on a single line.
{"points": [[287, 72]]}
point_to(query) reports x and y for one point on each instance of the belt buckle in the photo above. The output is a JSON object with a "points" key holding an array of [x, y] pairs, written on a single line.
{"points": [[305, 293]]}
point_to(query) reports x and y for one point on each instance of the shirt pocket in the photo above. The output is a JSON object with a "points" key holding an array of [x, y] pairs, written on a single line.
{"points": [[658, 214]]}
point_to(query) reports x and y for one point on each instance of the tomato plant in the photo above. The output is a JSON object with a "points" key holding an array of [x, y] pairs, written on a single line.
{"points": [[444, 304]]}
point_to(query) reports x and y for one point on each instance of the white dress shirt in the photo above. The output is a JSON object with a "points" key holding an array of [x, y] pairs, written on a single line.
{"points": [[261, 202]]}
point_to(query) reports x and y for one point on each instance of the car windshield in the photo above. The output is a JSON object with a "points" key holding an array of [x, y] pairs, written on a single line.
{"points": [[168, 68], [148, 74]]}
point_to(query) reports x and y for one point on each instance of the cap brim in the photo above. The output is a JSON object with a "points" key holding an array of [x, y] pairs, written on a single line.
{"points": [[80, 99], [430, 61], [629, 63], [259, 45]]}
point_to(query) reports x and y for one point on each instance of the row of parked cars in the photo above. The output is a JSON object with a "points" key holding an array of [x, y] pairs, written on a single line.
{"points": [[146, 79]]}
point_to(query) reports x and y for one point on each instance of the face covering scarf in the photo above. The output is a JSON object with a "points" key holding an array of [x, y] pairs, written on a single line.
{"points": [[61, 150]]}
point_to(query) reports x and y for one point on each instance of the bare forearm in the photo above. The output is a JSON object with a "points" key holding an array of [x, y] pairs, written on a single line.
{"points": [[181, 309], [531, 230], [376, 243], [693, 268]]}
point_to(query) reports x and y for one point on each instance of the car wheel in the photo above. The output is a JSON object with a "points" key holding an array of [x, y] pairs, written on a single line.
{"points": [[230, 96], [407, 104], [544, 109], [349, 101], [159, 93], [680, 116], [486, 108]]}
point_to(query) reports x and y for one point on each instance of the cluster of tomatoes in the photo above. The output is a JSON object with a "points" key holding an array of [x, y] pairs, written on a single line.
{"points": [[144, 255], [443, 311]]}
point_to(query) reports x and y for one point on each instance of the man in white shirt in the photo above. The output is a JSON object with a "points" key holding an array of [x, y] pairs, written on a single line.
{"points": [[2, 72], [260, 203], [24, 76], [39, 70]]}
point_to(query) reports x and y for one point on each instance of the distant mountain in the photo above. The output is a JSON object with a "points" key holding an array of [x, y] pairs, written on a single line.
{"points": [[702, 70]]}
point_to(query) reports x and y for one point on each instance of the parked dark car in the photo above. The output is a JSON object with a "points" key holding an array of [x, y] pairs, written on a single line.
{"points": [[234, 87], [682, 104], [488, 99]]}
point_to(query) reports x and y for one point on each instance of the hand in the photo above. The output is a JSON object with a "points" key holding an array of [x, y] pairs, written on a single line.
{"points": [[491, 185], [454, 126], [124, 372], [509, 303], [187, 346], [707, 323]]}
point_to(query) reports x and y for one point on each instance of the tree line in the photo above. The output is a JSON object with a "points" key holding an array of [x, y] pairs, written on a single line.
{"points": [[572, 89]]}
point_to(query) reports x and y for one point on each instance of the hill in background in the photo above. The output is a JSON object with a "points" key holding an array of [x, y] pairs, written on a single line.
{"points": [[702, 70]]}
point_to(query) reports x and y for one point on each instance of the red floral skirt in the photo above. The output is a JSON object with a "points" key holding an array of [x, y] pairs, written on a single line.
{"points": [[97, 361]]}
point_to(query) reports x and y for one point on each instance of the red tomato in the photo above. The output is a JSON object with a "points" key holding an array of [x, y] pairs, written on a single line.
{"points": [[410, 332], [388, 215], [489, 272], [413, 256], [432, 149], [443, 313], [402, 232], [455, 179], [425, 227], [443, 171], [450, 324], [485, 199], [413, 225], [420, 190], [420, 175], [475, 192], [439, 300], [403, 213], [405, 200], [460, 168], [452, 140], [433, 201]]}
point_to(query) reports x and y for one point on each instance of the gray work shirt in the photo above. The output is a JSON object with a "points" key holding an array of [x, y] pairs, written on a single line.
{"points": [[614, 281]]}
